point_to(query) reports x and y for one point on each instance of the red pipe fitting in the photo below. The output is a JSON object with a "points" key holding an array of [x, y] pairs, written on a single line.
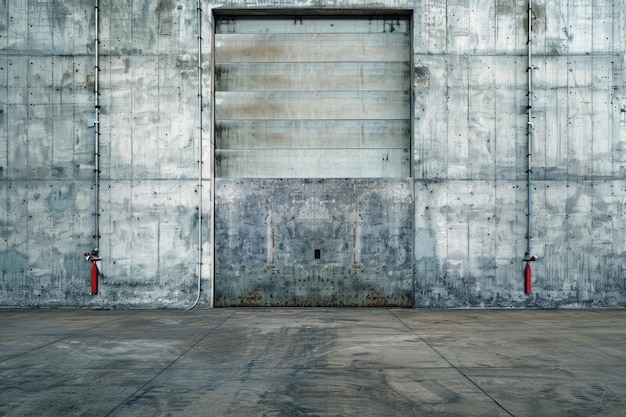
{"points": [[528, 273], [94, 278], [94, 259]]}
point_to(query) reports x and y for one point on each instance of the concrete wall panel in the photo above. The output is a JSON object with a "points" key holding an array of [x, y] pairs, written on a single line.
{"points": [[117, 220], [271, 230], [159, 221], [117, 148], [17, 146], [506, 26], [466, 111], [17, 79], [474, 233], [4, 151], [27, 266], [17, 26], [4, 27], [47, 164], [568, 236], [4, 79], [4, 222]]}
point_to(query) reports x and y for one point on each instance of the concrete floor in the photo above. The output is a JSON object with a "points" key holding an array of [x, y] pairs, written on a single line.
{"points": [[313, 362]]}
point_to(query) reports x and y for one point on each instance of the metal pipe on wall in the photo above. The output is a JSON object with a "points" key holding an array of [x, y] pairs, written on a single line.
{"points": [[94, 256], [97, 134], [529, 133], [199, 288], [212, 160], [527, 257]]}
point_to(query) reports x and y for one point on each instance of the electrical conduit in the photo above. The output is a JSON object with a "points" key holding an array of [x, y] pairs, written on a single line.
{"points": [[530, 129], [94, 256], [212, 159], [528, 258], [199, 286]]}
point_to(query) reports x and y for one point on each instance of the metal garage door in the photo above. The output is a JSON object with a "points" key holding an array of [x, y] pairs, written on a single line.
{"points": [[312, 136]]}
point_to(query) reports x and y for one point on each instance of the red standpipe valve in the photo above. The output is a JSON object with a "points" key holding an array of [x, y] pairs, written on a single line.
{"points": [[95, 268], [528, 273]]}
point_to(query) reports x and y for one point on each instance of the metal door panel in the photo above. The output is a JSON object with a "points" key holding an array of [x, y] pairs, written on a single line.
{"points": [[320, 47], [313, 163], [331, 105], [367, 24], [311, 134], [312, 76], [276, 262]]}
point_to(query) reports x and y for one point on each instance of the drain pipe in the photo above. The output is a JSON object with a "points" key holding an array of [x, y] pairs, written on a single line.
{"points": [[528, 258], [212, 159], [94, 255], [97, 135], [530, 129], [199, 288]]}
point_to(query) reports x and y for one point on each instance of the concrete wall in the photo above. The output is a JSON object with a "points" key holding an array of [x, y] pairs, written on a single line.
{"points": [[469, 151], [149, 153]]}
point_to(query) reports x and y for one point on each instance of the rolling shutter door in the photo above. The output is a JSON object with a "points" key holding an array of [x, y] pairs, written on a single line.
{"points": [[316, 97]]}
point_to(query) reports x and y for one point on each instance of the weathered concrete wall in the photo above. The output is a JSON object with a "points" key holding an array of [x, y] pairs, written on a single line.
{"points": [[150, 118], [46, 152], [149, 152], [270, 230], [469, 151]]}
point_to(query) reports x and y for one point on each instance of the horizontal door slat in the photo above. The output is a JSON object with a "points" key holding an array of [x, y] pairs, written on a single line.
{"points": [[374, 24], [312, 48], [312, 105], [310, 76], [311, 134], [318, 163]]}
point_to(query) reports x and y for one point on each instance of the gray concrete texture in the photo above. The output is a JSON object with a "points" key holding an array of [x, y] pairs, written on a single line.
{"points": [[327, 248], [313, 362], [468, 166]]}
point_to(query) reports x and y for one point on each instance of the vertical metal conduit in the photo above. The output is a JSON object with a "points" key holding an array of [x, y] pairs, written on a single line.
{"points": [[199, 287], [97, 135], [529, 133], [212, 159]]}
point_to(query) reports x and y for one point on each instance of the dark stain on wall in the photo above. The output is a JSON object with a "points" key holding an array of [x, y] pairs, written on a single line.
{"points": [[421, 77], [61, 198], [164, 13]]}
